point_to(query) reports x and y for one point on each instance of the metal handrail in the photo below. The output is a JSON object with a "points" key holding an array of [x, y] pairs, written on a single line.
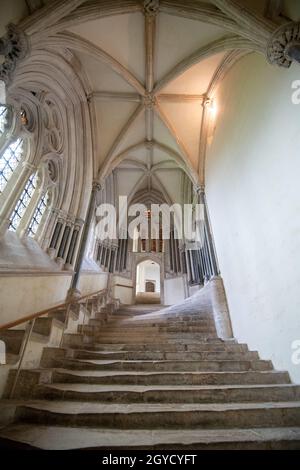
{"points": [[30, 319]]}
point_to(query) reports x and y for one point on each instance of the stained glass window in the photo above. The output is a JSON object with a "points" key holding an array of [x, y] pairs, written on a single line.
{"points": [[22, 203], [9, 160], [37, 216]]}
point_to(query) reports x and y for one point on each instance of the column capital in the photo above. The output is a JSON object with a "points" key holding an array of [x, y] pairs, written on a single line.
{"points": [[96, 186], [206, 101], [78, 223], [199, 188], [151, 7], [284, 45], [28, 166]]}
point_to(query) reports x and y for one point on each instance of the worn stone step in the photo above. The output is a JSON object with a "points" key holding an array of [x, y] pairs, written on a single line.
{"points": [[13, 340], [43, 326], [168, 394], [170, 347], [170, 378], [144, 331], [137, 324], [75, 340], [153, 339], [158, 355], [133, 323], [206, 365], [68, 438], [178, 343], [169, 337], [167, 415]]}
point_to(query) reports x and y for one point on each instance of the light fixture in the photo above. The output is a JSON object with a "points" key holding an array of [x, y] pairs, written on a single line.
{"points": [[211, 105], [213, 109]]}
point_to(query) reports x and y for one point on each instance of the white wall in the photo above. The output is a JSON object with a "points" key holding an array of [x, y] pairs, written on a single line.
{"points": [[122, 289], [23, 294], [92, 282], [174, 290], [252, 184], [147, 271]]}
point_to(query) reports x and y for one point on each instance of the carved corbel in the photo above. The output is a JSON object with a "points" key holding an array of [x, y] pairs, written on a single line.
{"points": [[151, 7], [14, 46], [284, 45]]}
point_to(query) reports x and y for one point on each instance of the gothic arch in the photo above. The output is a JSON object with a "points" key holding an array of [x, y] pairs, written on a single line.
{"points": [[158, 258]]}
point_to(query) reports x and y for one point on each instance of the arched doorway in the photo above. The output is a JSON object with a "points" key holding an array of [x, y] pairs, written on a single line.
{"points": [[148, 282]]}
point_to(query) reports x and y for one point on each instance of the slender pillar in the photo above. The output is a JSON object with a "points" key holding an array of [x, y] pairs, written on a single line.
{"points": [[70, 255], [75, 281], [208, 232]]}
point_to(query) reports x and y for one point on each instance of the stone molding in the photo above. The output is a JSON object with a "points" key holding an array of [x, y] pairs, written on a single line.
{"points": [[280, 43], [14, 46], [151, 7], [149, 100]]}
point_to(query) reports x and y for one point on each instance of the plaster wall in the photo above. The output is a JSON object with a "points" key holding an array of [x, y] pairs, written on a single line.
{"points": [[23, 294], [147, 270], [174, 290], [123, 289], [252, 186]]}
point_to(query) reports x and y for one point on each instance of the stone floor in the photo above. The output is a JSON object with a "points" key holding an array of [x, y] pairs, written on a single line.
{"points": [[156, 378]]}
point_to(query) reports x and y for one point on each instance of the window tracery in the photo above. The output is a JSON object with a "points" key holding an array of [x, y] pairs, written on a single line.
{"points": [[3, 118], [38, 215], [22, 203], [9, 160]]}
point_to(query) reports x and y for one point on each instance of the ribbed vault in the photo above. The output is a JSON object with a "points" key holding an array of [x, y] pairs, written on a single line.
{"points": [[150, 70]]}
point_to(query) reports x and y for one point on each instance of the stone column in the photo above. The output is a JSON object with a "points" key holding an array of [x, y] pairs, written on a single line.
{"points": [[220, 308], [73, 246], [188, 267], [73, 291], [58, 229], [208, 233], [62, 250]]}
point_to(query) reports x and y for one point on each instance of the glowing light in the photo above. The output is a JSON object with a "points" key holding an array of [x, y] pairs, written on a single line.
{"points": [[213, 109]]}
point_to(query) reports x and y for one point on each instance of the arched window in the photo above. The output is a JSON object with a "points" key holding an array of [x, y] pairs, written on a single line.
{"points": [[22, 203], [3, 119], [26, 201], [38, 215], [9, 161]]}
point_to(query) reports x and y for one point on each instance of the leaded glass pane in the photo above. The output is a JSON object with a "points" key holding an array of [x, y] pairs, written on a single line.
{"points": [[3, 117], [9, 160], [37, 216], [22, 203]]}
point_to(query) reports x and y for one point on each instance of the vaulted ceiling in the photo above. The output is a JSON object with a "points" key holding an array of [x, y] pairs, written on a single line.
{"points": [[151, 70], [147, 90]]}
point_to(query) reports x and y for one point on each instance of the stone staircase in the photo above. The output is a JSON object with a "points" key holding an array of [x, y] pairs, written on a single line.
{"points": [[154, 379]]}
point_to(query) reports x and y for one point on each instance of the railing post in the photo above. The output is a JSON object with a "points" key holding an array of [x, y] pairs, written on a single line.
{"points": [[28, 332], [100, 296]]}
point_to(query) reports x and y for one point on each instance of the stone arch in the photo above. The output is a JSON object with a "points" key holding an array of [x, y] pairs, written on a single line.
{"points": [[157, 258], [47, 71]]}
